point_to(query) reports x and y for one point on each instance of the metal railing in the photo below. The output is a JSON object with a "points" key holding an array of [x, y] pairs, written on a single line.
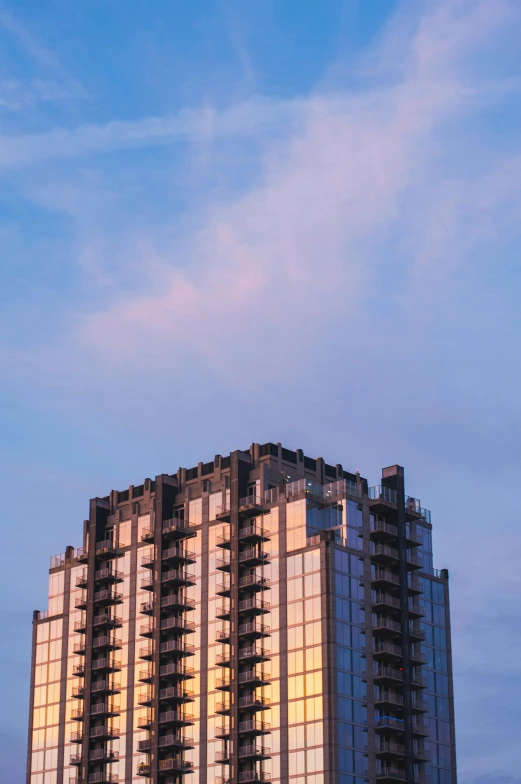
{"points": [[381, 493]]}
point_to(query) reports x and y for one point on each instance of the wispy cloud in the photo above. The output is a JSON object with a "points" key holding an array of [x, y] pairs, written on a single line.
{"points": [[257, 115]]}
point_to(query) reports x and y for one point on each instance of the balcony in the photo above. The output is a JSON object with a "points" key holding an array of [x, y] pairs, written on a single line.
{"points": [[253, 775], [254, 654], [76, 759], [415, 609], [413, 560], [223, 756], [254, 678], [388, 698], [172, 741], [145, 676], [77, 714], [82, 579], [386, 601], [177, 765], [223, 514], [254, 703], [223, 659], [384, 650], [177, 554], [78, 692], [385, 578], [223, 612], [108, 643], [102, 710], [254, 606], [179, 671], [389, 724], [384, 554], [223, 636], [382, 499], [147, 608], [81, 626], [251, 506], [181, 719], [391, 775], [177, 602], [415, 631], [148, 536], [107, 598], [144, 721], [103, 755], [254, 752], [147, 583], [148, 559], [254, 582], [146, 652], [254, 727], [108, 575], [107, 549], [254, 533], [176, 695], [253, 557], [81, 555], [388, 750], [81, 602], [222, 708], [388, 675], [104, 733], [223, 564], [382, 624], [222, 731], [178, 577], [223, 589], [105, 687], [79, 670], [419, 729], [412, 537], [175, 646], [103, 778], [178, 528], [254, 630], [414, 584], [415, 511], [146, 630], [178, 624], [383, 531], [224, 540], [108, 621], [222, 684], [80, 647], [144, 698], [107, 665], [419, 706], [143, 769]]}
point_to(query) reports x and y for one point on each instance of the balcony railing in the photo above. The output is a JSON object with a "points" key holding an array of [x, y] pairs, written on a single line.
{"points": [[103, 778], [382, 722], [177, 525], [254, 581], [380, 493], [384, 551]]}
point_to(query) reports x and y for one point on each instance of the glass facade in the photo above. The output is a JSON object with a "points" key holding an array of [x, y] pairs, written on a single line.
{"points": [[227, 625]]}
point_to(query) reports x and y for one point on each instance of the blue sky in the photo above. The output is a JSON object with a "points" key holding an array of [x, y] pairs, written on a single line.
{"points": [[226, 222]]}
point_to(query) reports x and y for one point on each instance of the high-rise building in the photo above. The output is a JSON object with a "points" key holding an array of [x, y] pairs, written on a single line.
{"points": [[264, 617]]}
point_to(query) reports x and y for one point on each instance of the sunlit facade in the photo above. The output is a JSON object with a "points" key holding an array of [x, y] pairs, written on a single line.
{"points": [[265, 617]]}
